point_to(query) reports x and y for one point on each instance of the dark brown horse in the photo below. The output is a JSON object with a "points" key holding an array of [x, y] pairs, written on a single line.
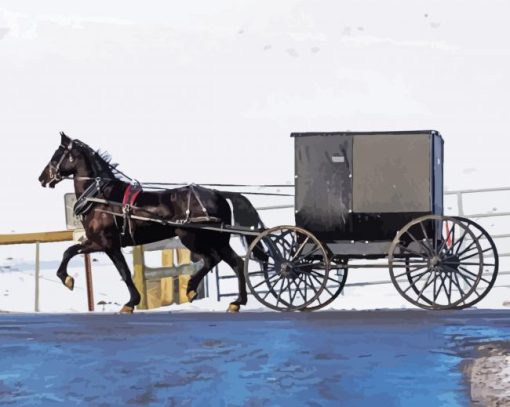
{"points": [[95, 177]]}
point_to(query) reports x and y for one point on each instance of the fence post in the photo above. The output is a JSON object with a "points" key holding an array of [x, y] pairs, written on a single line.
{"points": [[88, 275], [167, 284], [460, 204], [140, 283], [37, 272]]}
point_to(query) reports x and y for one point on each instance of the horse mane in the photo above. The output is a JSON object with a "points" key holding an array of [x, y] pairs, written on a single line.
{"points": [[104, 157]]}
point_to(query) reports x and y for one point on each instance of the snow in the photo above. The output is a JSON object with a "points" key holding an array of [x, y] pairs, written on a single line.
{"points": [[210, 91], [17, 286]]}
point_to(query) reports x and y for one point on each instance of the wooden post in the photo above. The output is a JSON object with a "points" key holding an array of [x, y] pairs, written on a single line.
{"points": [[37, 272], [167, 284], [139, 278], [88, 274], [183, 257]]}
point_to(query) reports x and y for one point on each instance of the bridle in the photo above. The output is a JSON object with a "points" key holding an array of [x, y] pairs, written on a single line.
{"points": [[54, 170]]}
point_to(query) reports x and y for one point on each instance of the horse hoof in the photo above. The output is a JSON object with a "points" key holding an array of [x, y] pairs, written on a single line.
{"points": [[191, 295], [69, 282], [126, 309], [233, 308]]}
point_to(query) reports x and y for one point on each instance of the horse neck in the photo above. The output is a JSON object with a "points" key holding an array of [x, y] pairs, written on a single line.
{"points": [[87, 171]]}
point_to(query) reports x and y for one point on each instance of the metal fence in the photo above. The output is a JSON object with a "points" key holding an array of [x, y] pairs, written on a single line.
{"points": [[460, 200]]}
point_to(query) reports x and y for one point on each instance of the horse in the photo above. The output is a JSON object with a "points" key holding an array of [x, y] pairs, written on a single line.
{"points": [[110, 226]]}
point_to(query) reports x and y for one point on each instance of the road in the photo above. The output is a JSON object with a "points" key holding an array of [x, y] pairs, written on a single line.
{"points": [[383, 358]]}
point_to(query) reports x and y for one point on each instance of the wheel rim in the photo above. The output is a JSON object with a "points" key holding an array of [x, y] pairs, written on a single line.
{"points": [[335, 285], [289, 279], [490, 262], [429, 263]]}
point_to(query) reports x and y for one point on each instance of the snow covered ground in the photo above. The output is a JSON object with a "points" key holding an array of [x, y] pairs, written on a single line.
{"points": [[17, 286]]}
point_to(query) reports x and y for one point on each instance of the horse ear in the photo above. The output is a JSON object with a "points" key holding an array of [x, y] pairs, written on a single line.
{"points": [[65, 139]]}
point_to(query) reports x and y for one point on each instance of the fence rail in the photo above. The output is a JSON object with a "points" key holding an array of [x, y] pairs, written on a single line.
{"points": [[460, 196], [49, 237]]}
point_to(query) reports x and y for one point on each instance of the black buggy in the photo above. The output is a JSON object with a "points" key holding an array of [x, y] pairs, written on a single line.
{"points": [[371, 196]]}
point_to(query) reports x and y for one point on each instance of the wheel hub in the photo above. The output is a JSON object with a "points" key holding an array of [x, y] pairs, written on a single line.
{"points": [[435, 261], [453, 262], [287, 269]]}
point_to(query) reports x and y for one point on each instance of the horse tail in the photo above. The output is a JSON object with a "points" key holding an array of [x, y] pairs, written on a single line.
{"points": [[245, 214]]}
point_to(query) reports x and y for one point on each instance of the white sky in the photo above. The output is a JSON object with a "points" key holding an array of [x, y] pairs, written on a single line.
{"points": [[209, 91]]}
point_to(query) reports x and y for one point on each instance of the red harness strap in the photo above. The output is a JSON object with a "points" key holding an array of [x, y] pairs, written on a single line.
{"points": [[130, 195]]}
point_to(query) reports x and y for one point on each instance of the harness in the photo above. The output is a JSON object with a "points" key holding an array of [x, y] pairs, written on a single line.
{"points": [[89, 197], [83, 204], [130, 194], [193, 192]]}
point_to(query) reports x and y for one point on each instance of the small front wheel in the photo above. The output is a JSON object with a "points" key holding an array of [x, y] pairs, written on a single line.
{"points": [[286, 268]]}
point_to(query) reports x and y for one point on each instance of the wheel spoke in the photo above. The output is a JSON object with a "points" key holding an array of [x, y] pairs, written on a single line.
{"points": [[271, 290], [469, 246], [476, 253], [469, 264], [281, 292], [307, 277], [415, 281], [475, 276], [425, 238], [304, 256], [442, 285], [316, 279], [265, 281], [460, 241], [448, 291], [410, 271], [299, 289], [305, 265], [457, 283], [289, 289], [427, 284], [466, 279], [418, 242], [434, 286], [298, 251]]}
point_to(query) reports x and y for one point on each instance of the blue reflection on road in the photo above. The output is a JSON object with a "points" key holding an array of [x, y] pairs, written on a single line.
{"points": [[382, 358]]}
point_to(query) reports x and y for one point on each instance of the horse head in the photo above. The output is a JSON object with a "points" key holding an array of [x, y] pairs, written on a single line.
{"points": [[62, 164]]}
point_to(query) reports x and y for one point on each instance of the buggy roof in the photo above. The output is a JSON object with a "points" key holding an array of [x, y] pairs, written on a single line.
{"points": [[356, 133]]}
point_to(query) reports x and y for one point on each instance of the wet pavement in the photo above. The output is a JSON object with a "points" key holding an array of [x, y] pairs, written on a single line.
{"points": [[348, 358]]}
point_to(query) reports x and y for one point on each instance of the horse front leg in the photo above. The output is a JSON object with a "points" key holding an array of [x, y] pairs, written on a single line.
{"points": [[120, 263], [81, 248]]}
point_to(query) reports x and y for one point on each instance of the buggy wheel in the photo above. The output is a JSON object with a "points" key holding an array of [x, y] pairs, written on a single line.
{"points": [[436, 262], [334, 286], [490, 261], [293, 272]]}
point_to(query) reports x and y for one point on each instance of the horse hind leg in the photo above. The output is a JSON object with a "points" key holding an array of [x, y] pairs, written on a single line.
{"points": [[237, 264], [210, 260]]}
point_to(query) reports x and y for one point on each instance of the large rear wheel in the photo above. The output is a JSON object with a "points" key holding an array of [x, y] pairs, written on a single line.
{"points": [[490, 260], [436, 262]]}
